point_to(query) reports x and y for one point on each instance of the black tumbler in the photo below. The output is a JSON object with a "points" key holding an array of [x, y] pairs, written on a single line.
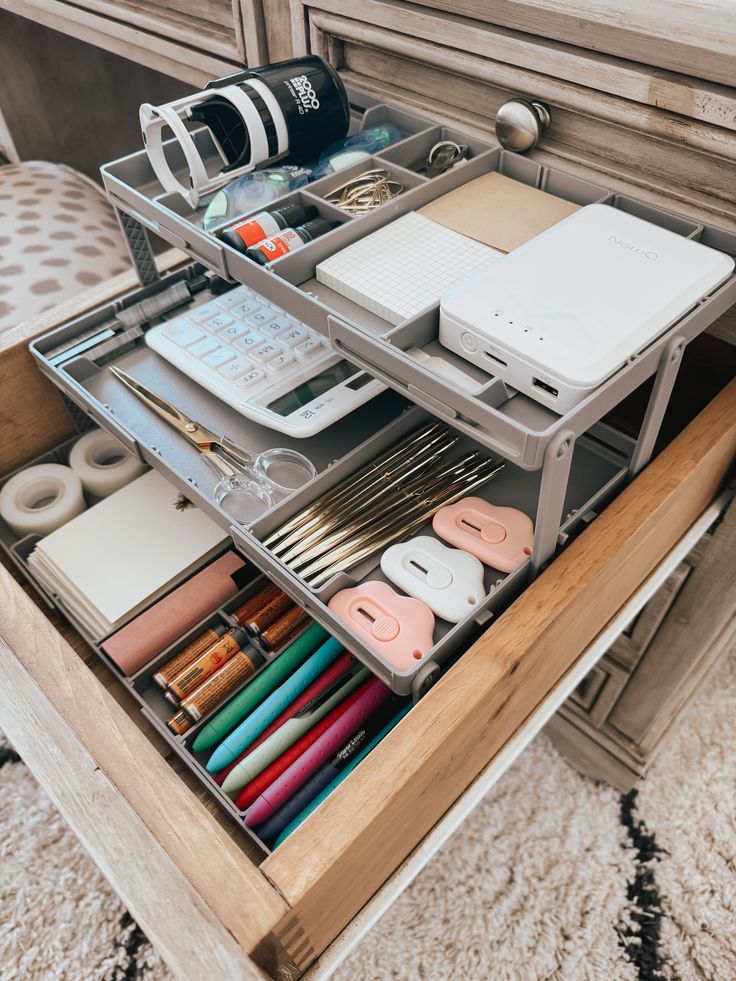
{"points": [[308, 110]]}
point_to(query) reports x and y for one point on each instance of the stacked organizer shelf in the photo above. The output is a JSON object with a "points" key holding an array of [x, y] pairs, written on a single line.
{"points": [[560, 468]]}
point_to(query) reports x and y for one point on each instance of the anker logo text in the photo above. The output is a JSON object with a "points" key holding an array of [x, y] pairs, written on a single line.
{"points": [[647, 253]]}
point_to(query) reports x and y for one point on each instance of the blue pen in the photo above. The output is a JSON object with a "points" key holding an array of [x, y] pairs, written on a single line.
{"points": [[336, 781], [262, 717]]}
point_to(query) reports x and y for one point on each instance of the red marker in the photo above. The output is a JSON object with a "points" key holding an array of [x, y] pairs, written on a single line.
{"points": [[252, 791]]}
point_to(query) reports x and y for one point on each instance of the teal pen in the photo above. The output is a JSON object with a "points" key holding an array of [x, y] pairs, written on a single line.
{"points": [[251, 728], [303, 815], [262, 685]]}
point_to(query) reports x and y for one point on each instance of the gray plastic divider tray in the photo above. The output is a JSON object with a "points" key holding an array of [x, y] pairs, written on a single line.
{"points": [[141, 685], [557, 498], [498, 417]]}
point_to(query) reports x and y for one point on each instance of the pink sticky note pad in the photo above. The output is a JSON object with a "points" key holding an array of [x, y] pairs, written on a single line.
{"points": [[398, 628], [500, 537]]}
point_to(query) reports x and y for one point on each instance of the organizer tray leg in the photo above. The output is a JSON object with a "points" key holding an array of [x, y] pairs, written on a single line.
{"points": [[555, 476], [669, 365], [139, 247]]}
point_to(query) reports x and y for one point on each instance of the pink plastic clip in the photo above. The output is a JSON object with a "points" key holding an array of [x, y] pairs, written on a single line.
{"points": [[500, 537], [398, 628]]}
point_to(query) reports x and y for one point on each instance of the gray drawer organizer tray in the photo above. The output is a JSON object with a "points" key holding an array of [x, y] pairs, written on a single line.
{"points": [[560, 469], [598, 464], [141, 685]]}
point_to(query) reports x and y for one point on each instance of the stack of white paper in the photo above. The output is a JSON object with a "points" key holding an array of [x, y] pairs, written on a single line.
{"points": [[404, 267], [106, 564]]}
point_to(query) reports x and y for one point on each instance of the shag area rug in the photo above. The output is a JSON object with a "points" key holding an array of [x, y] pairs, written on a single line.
{"points": [[552, 877]]}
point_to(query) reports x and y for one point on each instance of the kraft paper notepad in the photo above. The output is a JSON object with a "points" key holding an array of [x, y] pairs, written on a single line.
{"points": [[108, 562], [498, 211], [404, 267]]}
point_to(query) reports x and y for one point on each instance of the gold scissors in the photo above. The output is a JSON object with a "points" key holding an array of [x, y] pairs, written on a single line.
{"points": [[218, 450], [245, 479]]}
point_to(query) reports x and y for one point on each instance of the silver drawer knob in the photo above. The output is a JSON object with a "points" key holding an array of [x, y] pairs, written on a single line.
{"points": [[519, 124]]}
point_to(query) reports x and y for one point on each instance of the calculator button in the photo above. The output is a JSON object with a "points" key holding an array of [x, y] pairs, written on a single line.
{"points": [[235, 368], [251, 380], [247, 306], [200, 314], [308, 348], [281, 361], [219, 321], [233, 332], [203, 347], [219, 357], [276, 327], [294, 336], [265, 352], [264, 315], [250, 340], [183, 333], [233, 299]]}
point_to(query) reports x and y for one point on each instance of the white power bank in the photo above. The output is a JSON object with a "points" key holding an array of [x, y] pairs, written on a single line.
{"points": [[558, 316]]}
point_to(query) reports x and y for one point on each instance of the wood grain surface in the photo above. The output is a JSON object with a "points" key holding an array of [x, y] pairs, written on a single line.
{"points": [[333, 863], [31, 409], [146, 830]]}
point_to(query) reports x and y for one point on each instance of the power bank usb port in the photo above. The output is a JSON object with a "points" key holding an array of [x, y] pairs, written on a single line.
{"points": [[494, 358], [545, 387]]}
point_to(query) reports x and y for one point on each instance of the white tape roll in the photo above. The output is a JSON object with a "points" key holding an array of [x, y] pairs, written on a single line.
{"points": [[102, 463], [41, 499]]}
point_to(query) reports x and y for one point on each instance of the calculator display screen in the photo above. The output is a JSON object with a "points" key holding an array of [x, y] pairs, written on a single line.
{"points": [[312, 389]]}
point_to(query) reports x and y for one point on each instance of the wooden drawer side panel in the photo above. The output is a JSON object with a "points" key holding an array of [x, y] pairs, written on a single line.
{"points": [[332, 864], [146, 829]]}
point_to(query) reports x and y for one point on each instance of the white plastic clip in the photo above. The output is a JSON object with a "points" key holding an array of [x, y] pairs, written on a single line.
{"points": [[448, 580]]}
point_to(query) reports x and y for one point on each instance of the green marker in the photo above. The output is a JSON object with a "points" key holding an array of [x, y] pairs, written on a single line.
{"points": [[314, 804], [261, 686]]}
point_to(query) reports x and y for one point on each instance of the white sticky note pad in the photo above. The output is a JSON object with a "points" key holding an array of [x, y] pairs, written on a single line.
{"points": [[404, 267]]}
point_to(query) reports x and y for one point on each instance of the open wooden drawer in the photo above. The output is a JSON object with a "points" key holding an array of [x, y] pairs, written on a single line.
{"points": [[206, 898]]}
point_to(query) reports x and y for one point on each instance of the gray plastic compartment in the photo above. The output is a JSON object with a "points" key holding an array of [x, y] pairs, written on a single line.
{"points": [[599, 467], [498, 418], [335, 451]]}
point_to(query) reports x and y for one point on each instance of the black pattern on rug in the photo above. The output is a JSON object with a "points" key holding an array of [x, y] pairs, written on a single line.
{"points": [[8, 755], [642, 939], [131, 939]]}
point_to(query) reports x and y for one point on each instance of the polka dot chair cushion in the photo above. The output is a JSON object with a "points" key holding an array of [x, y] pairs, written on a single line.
{"points": [[58, 237]]}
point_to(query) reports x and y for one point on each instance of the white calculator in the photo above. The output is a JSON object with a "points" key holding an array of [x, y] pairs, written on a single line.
{"points": [[266, 365]]}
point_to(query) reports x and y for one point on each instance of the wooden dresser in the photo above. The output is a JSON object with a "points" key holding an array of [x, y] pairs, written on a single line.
{"points": [[641, 94]]}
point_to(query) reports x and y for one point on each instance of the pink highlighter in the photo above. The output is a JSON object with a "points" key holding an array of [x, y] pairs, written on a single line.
{"points": [[500, 537], [371, 696], [398, 628]]}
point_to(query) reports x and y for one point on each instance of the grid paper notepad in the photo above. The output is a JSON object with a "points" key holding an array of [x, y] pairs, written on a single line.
{"points": [[404, 267]]}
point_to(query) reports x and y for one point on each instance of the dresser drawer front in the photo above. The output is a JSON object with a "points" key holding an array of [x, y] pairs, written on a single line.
{"points": [[308, 889], [666, 134], [191, 41]]}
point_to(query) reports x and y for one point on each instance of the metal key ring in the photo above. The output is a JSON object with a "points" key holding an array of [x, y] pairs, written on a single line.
{"points": [[459, 150]]}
